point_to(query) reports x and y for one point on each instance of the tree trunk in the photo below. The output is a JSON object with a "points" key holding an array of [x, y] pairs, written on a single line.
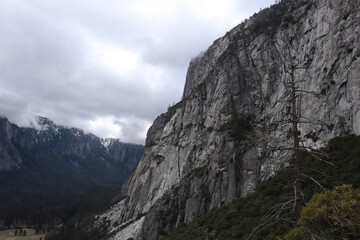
{"points": [[296, 156]]}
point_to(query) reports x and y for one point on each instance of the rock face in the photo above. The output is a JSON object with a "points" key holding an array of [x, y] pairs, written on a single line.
{"points": [[227, 133], [55, 152]]}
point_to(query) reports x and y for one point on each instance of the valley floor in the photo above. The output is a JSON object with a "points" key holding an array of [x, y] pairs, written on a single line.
{"points": [[30, 235]]}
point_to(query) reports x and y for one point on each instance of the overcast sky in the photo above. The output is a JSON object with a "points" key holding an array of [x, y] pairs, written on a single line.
{"points": [[109, 67]]}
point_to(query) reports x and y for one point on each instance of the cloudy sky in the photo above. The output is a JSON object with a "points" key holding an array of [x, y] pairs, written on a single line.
{"points": [[109, 67]]}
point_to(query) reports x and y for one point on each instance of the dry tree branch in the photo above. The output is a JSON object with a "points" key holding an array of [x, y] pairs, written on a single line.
{"points": [[321, 173], [321, 186], [272, 217]]}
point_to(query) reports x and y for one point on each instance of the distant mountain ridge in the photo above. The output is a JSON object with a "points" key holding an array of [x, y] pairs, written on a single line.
{"points": [[52, 154]]}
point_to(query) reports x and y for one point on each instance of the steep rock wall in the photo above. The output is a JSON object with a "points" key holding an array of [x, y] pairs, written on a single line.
{"points": [[195, 159]]}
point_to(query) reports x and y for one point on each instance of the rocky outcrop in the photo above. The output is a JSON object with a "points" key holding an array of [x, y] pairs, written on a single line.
{"points": [[9, 156], [228, 132], [54, 152]]}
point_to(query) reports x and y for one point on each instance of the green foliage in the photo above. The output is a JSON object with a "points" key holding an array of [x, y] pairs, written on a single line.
{"points": [[269, 24], [279, 15], [238, 127], [330, 215], [52, 186], [298, 234], [73, 231], [273, 18], [47, 206], [313, 136], [172, 110], [198, 172], [345, 153], [237, 219]]}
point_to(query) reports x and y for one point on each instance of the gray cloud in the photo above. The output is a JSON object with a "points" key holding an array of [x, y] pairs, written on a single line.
{"points": [[108, 67]]}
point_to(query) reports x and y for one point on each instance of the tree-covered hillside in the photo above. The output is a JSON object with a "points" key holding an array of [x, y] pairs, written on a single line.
{"points": [[54, 173], [264, 214]]}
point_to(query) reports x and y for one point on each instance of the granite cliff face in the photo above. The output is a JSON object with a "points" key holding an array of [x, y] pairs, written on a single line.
{"points": [[220, 141], [52, 153]]}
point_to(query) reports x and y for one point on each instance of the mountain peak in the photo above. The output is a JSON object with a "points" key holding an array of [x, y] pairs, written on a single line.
{"points": [[44, 120], [43, 124], [70, 143]]}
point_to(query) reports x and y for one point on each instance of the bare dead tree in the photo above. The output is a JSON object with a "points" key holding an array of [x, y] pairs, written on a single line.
{"points": [[290, 65], [298, 199], [292, 119]]}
